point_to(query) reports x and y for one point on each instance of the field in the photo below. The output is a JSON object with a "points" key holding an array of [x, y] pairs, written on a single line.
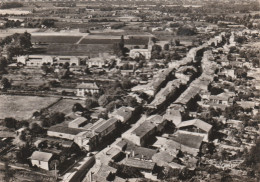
{"points": [[22, 107], [56, 39], [65, 105], [91, 50]]}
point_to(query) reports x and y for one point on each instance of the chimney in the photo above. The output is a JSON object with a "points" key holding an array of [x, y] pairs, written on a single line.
{"points": [[133, 153]]}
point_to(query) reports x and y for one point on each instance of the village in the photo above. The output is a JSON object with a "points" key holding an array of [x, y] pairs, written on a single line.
{"points": [[132, 100]]}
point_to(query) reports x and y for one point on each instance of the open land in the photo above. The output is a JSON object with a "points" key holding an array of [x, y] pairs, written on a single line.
{"points": [[22, 107]]}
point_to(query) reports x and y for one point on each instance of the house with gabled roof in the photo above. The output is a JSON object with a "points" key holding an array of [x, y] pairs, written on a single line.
{"points": [[41, 159], [196, 126]]}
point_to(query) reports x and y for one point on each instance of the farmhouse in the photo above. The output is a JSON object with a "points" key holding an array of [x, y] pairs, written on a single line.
{"points": [[41, 159], [84, 88]]}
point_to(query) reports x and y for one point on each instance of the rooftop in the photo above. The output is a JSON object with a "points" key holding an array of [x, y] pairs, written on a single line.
{"points": [[143, 129], [139, 164], [65, 129], [189, 140], [106, 124], [87, 86], [41, 156], [196, 122]]}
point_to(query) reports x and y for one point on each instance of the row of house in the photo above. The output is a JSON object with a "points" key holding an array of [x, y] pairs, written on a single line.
{"points": [[39, 60]]}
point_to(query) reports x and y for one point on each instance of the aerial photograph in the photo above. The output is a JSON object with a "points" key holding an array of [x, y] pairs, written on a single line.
{"points": [[129, 90]]}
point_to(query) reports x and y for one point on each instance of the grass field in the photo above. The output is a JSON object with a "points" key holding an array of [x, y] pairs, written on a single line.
{"points": [[91, 50], [22, 107], [65, 105], [56, 39]]}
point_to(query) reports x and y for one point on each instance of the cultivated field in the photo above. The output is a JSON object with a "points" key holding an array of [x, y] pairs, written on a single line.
{"points": [[22, 107], [91, 50], [65, 105], [56, 39]]}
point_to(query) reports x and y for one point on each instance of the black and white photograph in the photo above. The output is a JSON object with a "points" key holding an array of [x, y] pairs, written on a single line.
{"points": [[129, 90]]}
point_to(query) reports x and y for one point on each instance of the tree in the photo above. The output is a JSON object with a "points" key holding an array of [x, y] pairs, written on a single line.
{"points": [[3, 63], [23, 154], [177, 42], [256, 62], [5, 84], [10, 122], [78, 107], [56, 118], [91, 103], [37, 129], [66, 65], [166, 47], [8, 172]]}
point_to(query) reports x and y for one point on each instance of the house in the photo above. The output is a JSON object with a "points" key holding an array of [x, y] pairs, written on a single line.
{"points": [[84, 88], [140, 153], [195, 126], [98, 62], [140, 164], [86, 139], [72, 60], [103, 128], [162, 158], [142, 52], [105, 173], [35, 60], [186, 142], [41, 159], [141, 134], [123, 114], [173, 116], [158, 121]]}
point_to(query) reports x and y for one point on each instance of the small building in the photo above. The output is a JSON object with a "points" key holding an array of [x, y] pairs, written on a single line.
{"points": [[35, 60], [98, 62], [196, 126], [41, 159], [140, 164], [84, 88], [86, 140], [106, 128], [72, 60], [141, 134], [123, 114], [173, 116]]}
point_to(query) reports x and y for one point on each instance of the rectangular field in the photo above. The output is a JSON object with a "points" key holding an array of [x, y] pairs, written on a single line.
{"points": [[91, 50], [22, 107], [65, 105], [55, 39]]}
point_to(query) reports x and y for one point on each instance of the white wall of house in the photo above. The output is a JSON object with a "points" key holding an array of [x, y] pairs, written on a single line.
{"points": [[40, 164]]}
